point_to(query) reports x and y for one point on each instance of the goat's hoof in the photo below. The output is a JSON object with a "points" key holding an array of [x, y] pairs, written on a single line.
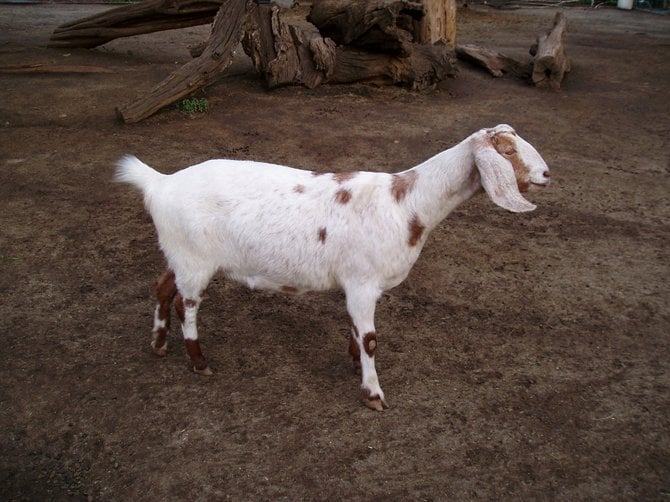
{"points": [[205, 371], [376, 404], [159, 351]]}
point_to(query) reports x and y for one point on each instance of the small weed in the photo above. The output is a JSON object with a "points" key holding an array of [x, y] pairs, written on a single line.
{"points": [[191, 106]]}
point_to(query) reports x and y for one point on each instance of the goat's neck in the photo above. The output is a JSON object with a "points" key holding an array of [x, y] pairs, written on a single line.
{"points": [[444, 182]]}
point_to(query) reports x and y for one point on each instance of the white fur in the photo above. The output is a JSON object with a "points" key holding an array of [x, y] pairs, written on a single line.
{"points": [[275, 227]]}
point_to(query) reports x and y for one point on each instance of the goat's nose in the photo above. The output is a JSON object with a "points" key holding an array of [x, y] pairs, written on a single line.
{"points": [[547, 174]]}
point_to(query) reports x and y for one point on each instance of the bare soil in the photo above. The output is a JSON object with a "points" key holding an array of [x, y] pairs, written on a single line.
{"points": [[526, 357]]}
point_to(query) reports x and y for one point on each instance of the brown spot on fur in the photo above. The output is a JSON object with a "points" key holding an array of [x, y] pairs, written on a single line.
{"points": [[179, 307], [289, 289], [166, 290], [194, 352], [344, 177], [505, 145], [322, 235], [316, 173], [343, 195], [416, 229], [402, 184], [370, 343], [299, 189]]}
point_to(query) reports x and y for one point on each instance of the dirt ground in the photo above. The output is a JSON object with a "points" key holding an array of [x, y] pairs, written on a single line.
{"points": [[525, 358]]}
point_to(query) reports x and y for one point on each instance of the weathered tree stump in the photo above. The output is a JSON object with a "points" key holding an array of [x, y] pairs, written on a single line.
{"points": [[550, 64], [227, 32], [381, 41], [381, 25], [438, 23], [299, 54], [134, 19], [288, 54], [420, 69]]}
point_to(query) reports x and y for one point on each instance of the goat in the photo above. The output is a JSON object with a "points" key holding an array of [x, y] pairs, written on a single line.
{"points": [[291, 230]]}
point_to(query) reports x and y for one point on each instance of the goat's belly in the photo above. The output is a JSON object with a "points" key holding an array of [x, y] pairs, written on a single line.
{"points": [[283, 285]]}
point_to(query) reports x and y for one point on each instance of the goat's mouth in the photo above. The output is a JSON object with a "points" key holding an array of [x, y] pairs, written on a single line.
{"points": [[539, 186]]}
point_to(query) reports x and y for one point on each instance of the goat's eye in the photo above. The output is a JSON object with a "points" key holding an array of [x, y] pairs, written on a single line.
{"points": [[509, 152]]}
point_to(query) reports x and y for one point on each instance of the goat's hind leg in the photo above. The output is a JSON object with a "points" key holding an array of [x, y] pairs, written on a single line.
{"points": [[166, 289]]}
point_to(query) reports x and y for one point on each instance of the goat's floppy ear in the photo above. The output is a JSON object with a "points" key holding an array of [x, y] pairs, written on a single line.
{"points": [[498, 179]]}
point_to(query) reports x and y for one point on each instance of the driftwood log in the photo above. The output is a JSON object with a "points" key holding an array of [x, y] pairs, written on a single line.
{"points": [[546, 69], [53, 68], [227, 32], [550, 64], [496, 63], [134, 19]]}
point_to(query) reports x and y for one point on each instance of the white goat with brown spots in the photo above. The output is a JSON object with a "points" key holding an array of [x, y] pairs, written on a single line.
{"points": [[290, 230]]}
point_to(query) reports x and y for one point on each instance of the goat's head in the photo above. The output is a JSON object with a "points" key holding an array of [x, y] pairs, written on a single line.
{"points": [[508, 165]]}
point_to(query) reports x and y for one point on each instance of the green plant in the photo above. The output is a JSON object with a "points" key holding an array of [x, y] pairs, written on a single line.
{"points": [[191, 106]]}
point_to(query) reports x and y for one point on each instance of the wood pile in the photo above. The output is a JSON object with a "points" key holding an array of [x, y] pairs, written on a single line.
{"points": [[341, 41], [404, 42]]}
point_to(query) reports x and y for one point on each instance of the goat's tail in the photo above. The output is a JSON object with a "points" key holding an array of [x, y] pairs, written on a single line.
{"points": [[132, 170]]}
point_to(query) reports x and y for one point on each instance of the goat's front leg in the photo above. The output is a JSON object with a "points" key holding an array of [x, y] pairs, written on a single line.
{"points": [[361, 304], [187, 310]]}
